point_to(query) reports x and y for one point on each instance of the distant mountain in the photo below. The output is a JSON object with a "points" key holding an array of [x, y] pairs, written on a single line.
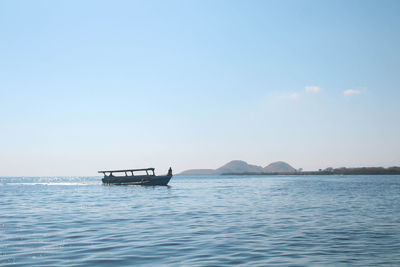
{"points": [[279, 166], [240, 166]]}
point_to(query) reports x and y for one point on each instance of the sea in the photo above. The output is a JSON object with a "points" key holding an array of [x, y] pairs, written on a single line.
{"points": [[201, 221]]}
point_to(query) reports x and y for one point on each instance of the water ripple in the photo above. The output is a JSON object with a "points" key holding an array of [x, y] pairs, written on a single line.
{"points": [[201, 221]]}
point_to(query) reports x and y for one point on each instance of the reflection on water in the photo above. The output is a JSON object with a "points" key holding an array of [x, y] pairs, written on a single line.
{"points": [[313, 220]]}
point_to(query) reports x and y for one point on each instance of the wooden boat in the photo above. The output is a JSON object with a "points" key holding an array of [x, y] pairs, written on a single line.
{"points": [[130, 178]]}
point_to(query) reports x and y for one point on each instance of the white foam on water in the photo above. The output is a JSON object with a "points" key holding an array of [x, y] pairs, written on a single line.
{"points": [[49, 183]]}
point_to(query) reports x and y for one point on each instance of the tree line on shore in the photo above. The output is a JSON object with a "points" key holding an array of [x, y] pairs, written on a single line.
{"points": [[334, 171]]}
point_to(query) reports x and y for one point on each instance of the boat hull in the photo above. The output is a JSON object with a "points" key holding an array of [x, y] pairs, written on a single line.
{"points": [[150, 180]]}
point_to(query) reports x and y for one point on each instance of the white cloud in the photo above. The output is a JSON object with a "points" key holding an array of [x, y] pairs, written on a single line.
{"points": [[313, 89], [294, 95], [351, 92], [288, 95]]}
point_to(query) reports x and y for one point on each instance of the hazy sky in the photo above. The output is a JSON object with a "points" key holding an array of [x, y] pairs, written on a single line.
{"points": [[90, 85]]}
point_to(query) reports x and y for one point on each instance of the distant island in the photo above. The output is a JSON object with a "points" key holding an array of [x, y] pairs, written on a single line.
{"points": [[239, 167], [242, 167]]}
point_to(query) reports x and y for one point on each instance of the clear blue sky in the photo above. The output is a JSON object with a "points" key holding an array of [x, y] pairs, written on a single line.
{"points": [[89, 85]]}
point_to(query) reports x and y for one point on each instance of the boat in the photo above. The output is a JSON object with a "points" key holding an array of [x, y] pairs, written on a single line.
{"points": [[130, 178]]}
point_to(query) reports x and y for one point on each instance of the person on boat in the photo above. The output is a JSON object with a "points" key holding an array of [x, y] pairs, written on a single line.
{"points": [[170, 171]]}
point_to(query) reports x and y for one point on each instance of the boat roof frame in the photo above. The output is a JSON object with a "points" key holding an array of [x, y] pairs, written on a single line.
{"points": [[129, 170]]}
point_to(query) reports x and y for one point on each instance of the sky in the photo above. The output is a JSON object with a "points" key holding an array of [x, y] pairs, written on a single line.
{"points": [[93, 85]]}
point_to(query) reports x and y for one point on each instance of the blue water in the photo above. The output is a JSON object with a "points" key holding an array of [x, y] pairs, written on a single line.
{"points": [[201, 221]]}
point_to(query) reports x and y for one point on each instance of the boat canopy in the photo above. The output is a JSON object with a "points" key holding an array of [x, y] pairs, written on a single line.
{"points": [[129, 170]]}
